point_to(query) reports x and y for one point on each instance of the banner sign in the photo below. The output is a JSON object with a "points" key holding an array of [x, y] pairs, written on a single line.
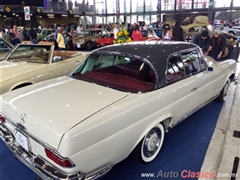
{"points": [[27, 13]]}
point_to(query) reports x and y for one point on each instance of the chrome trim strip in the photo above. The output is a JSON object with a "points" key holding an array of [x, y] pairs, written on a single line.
{"points": [[40, 166], [23, 131]]}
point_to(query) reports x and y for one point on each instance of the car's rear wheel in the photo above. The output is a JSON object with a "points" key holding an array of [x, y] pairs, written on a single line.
{"points": [[148, 148], [224, 92], [89, 45]]}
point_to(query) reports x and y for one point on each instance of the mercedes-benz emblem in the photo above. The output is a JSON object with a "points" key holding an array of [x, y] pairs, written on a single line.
{"points": [[22, 118]]}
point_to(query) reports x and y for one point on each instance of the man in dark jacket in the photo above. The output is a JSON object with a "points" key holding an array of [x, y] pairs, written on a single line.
{"points": [[203, 40], [177, 32], [33, 35], [26, 35]]}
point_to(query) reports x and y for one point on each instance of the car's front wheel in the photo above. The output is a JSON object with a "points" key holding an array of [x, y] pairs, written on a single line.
{"points": [[224, 92], [148, 148], [89, 45]]}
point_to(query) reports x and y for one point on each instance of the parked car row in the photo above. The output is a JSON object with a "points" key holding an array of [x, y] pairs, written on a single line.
{"points": [[117, 101]]}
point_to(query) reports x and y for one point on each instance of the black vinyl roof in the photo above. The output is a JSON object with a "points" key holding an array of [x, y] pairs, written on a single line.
{"points": [[156, 52]]}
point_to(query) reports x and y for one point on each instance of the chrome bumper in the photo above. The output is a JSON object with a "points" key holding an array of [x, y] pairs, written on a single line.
{"points": [[41, 167]]}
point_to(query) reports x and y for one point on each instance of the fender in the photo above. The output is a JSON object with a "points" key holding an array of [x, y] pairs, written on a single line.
{"points": [[161, 119]]}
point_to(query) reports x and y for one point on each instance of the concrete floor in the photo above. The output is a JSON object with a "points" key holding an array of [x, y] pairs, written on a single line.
{"points": [[223, 147]]}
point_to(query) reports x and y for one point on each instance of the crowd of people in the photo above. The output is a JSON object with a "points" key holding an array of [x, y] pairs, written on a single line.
{"points": [[63, 37]]}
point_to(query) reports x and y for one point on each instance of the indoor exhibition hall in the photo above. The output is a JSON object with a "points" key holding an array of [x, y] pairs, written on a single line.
{"points": [[119, 89]]}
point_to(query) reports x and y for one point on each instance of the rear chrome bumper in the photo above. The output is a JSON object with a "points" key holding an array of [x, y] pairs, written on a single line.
{"points": [[41, 167]]}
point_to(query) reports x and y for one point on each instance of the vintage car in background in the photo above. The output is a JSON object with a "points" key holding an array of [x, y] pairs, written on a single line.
{"points": [[119, 101], [106, 39], [89, 39], [29, 64], [5, 47], [50, 38], [234, 32], [43, 33], [191, 27], [149, 35]]}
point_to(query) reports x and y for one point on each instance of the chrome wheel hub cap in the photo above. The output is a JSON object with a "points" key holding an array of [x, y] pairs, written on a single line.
{"points": [[152, 142]]}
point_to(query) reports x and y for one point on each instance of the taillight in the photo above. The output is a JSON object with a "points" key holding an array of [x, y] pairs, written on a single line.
{"points": [[64, 162], [2, 118]]}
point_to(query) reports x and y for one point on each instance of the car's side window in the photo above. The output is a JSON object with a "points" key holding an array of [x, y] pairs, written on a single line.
{"points": [[194, 29], [175, 69], [203, 28], [191, 62]]}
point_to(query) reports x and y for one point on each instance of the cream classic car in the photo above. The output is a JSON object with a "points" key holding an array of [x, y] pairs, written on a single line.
{"points": [[28, 64], [123, 98]]}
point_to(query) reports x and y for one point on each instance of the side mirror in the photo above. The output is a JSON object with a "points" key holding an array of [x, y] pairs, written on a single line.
{"points": [[210, 69], [56, 59]]}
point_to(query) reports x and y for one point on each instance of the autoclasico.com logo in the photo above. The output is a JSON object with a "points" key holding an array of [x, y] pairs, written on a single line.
{"points": [[187, 174]]}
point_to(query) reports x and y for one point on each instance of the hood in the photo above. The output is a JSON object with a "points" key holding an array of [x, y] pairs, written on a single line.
{"points": [[13, 69], [53, 107]]}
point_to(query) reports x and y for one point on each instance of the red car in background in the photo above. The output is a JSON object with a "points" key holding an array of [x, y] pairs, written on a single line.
{"points": [[107, 39]]}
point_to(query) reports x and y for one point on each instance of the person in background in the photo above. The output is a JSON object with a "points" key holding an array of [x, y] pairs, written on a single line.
{"points": [[167, 34], [70, 45], [130, 30], [40, 26], [203, 40], [115, 31], [26, 35], [79, 29], [61, 40], [33, 35], [5, 36], [17, 35], [217, 46], [6, 29], [177, 32], [55, 36], [137, 34], [12, 36]]}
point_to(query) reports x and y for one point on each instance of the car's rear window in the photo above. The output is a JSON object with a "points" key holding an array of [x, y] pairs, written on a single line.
{"points": [[118, 72]]}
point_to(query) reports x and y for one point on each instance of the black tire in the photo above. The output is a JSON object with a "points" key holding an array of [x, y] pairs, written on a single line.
{"points": [[149, 147], [89, 45], [224, 92]]}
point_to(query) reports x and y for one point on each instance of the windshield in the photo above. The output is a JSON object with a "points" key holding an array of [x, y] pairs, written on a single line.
{"points": [[30, 53], [118, 72], [94, 32], [4, 46]]}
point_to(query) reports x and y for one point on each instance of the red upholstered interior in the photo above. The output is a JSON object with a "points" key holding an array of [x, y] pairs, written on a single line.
{"points": [[123, 77]]}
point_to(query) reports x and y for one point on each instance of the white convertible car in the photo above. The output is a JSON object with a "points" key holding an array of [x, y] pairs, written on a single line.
{"points": [[29, 64], [120, 101]]}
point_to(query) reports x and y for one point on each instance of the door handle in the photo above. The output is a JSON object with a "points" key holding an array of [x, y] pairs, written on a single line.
{"points": [[77, 61], [194, 89]]}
